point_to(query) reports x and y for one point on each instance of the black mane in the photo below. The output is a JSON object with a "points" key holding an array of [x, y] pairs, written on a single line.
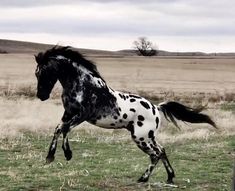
{"points": [[43, 57]]}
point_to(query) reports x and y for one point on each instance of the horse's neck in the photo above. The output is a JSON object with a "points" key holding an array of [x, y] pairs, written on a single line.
{"points": [[78, 77], [67, 82]]}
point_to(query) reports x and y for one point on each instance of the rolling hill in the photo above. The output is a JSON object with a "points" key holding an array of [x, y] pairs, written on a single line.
{"points": [[21, 47]]}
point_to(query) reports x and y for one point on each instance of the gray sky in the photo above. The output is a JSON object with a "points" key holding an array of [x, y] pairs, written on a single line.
{"points": [[174, 25]]}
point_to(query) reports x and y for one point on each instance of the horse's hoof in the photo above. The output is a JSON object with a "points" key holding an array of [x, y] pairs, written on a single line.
{"points": [[170, 182], [50, 159], [68, 155], [142, 180]]}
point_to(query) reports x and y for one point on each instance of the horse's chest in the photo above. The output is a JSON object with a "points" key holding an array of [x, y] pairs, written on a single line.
{"points": [[71, 103]]}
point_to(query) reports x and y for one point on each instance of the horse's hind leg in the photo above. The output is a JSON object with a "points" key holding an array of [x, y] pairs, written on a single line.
{"points": [[168, 167], [154, 158], [154, 151]]}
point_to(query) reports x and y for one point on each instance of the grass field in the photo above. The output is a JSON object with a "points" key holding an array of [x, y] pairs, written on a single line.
{"points": [[202, 157], [105, 163]]}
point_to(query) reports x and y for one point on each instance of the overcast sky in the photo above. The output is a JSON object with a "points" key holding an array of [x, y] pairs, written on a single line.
{"points": [[173, 25]]}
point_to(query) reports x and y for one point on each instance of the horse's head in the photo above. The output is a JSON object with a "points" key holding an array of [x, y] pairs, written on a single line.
{"points": [[47, 75], [60, 63]]}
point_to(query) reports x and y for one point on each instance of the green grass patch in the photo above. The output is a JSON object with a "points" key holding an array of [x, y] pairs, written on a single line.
{"points": [[98, 164], [229, 107]]}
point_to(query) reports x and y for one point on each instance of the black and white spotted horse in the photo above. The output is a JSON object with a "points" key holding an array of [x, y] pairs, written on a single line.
{"points": [[86, 97]]}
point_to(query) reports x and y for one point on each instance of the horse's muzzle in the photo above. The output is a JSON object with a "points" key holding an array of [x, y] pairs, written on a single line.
{"points": [[43, 97]]}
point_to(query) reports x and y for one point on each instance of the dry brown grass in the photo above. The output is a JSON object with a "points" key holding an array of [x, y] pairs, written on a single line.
{"points": [[136, 74], [22, 115], [26, 115], [194, 99], [17, 92], [193, 82], [27, 92]]}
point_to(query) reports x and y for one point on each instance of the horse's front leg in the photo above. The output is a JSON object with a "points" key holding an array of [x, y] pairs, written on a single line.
{"points": [[50, 156], [65, 144], [70, 123]]}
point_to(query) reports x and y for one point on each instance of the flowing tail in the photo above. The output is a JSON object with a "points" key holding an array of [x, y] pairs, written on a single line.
{"points": [[174, 110]]}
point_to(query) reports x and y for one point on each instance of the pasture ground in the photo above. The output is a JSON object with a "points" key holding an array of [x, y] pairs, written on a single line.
{"points": [[99, 164], [202, 157]]}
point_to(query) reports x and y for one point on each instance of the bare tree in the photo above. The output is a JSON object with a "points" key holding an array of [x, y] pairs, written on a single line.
{"points": [[144, 47]]}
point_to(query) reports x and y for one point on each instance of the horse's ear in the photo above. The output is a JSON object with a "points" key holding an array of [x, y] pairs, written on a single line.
{"points": [[39, 58]]}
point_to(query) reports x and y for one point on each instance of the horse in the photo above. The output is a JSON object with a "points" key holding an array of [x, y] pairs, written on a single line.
{"points": [[87, 97]]}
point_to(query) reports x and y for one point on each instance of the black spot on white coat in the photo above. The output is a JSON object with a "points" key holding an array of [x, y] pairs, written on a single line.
{"points": [[133, 110], [145, 104], [140, 117], [124, 116], [157, 122], [151, 134], [139, 123]]}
